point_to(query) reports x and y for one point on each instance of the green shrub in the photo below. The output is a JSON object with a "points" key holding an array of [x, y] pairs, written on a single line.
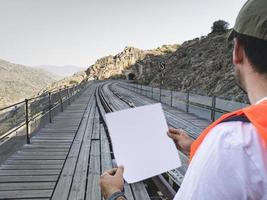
{"points": [[219, 26], [73, 82]]}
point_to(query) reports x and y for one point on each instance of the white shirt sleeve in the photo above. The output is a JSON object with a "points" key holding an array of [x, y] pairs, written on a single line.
{"points": [[230, 164]]}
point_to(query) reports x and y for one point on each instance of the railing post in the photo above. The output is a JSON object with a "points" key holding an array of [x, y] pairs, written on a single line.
{"points": [[68, 90], [160, 94], [27, 120], [74, 91], [78, 90], [187, 102], [71, 92], [141, 89], [60, 99], [152, 92], [212, 117], [49, 107], [171, 98]]}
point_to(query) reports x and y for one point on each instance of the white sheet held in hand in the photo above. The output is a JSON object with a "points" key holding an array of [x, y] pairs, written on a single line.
{"points": [[140, 142]]}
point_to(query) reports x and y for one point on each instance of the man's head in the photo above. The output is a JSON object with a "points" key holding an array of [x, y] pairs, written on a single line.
{"points": [[250, 41]]}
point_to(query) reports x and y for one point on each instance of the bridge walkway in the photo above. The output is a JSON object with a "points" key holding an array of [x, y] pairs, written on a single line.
{"points": [[66, 158], [34, 170]]}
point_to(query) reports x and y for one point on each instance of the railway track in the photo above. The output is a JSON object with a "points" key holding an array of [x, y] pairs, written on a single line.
{"points": [[166, 183]]}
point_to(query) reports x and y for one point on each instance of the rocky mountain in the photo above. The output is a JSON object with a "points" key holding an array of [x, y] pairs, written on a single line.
{"points": [[126, 63], [18, 82], [201, 66], [61, 71]]}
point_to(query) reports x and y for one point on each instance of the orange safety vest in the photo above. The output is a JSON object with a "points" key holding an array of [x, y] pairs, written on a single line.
{"points": [[256, 114]]}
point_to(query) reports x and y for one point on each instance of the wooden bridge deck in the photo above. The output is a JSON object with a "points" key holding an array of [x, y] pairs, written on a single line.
{"points": [[65, 158], [33, 171]]}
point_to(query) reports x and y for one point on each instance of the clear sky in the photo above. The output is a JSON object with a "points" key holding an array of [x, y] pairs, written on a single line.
{"points": [[78, 32]]}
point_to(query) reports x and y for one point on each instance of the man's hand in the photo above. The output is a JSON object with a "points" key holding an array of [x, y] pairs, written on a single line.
{"points": [[181, 139], [111, 181]]}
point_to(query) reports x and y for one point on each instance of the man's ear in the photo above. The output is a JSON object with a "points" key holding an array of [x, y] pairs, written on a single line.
{"points": [[238, 52]]}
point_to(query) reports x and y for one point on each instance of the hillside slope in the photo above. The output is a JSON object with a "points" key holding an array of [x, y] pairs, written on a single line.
{"points": [[61, 71], [18, 82], [201, 66], [69, 81]]}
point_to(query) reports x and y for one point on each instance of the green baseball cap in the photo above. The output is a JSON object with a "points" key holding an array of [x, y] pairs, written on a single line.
{"points": [[252, 20]]}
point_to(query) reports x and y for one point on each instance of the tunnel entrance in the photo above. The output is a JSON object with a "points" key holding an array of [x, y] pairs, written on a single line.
{"points": [[131, 76]]}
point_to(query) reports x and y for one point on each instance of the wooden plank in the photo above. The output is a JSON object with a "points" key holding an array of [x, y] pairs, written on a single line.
{"points": [[30, 166], [48, 146], [42, 153], [53, 137], [26, 186], [53, 149], [21, 153], [35, 162], [93, 189], [13, 179], [62, 189], [77, 190], [52, 142], [62, 131], [33, 198], [25, 194], [96, 132], [30, 157], [95, 148], [56, 132], [12, 172]]}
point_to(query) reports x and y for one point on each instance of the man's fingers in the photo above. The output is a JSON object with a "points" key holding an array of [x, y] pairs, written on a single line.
{"points": [[175, 131], [110, 172], [170, 134], [104, 174], [120, 171], [173, 135], [114, 171]]}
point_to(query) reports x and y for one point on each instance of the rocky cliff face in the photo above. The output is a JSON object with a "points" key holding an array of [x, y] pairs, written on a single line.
{"points": [[18, 82], [202, 66], [125, 63]]}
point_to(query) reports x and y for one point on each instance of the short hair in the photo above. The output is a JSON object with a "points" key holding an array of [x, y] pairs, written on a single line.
{"points": [[256, 51]]}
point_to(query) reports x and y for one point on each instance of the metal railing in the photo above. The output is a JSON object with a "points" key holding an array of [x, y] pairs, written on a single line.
{"points": [[22, 115], [208, 107]]}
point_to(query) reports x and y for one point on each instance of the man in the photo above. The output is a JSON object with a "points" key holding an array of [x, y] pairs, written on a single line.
{"points": [[229, 159]]}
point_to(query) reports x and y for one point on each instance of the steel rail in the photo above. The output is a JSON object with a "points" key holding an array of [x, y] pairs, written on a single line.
{"points": [[10, 106]]}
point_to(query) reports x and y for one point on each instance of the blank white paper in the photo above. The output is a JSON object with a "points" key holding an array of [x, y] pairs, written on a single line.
{"points": [[140, 142]]}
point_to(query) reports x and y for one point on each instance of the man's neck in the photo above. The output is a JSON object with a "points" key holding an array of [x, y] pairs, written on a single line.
{"points": [[256, 88]]}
